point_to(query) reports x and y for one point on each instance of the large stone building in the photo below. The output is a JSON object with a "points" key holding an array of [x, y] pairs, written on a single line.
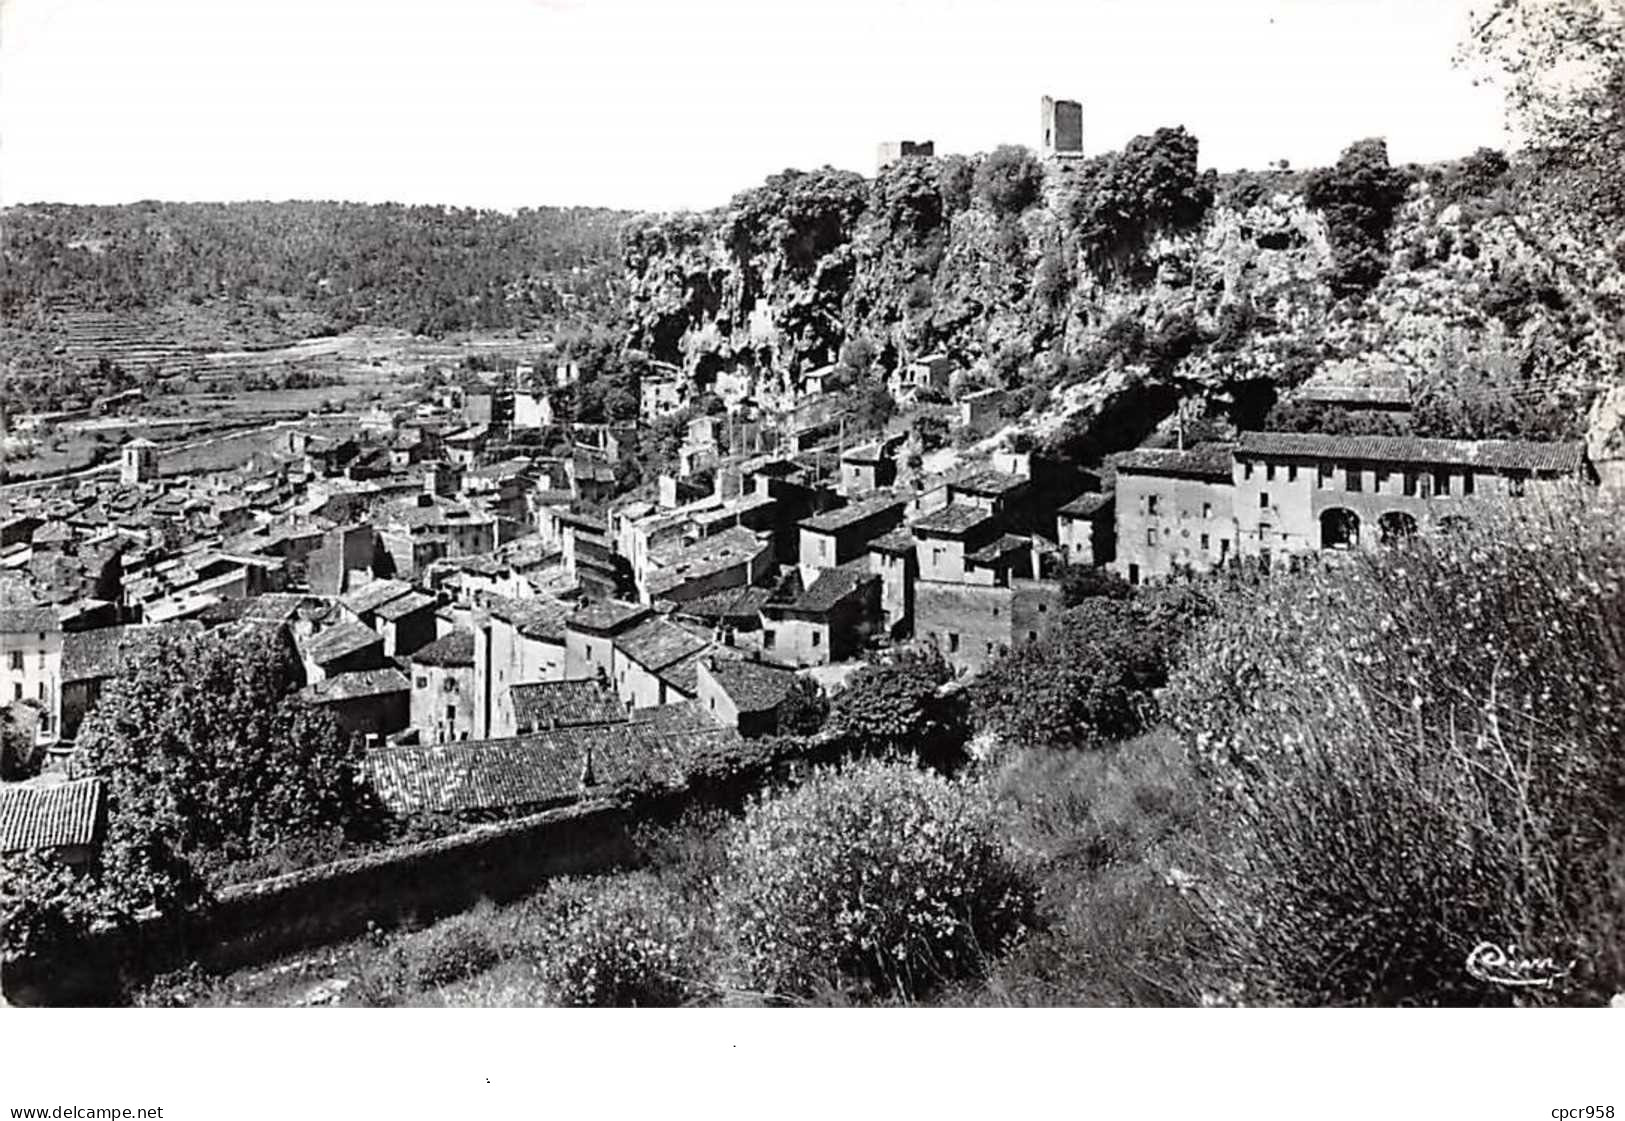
{"points": [[1062, 125], [1283, 493]]}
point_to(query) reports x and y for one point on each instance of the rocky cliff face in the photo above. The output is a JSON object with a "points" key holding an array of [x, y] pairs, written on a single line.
{"points": [[1128, 278]]}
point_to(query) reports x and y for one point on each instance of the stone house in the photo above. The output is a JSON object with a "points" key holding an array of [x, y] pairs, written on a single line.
{"points": [[370, 702], [1174, 511], [443, 688], [1084, 529], [515, 640], [646, 657], [894, 558], [743, 694], [948, 537], [870, 467], [734, 558], [839, 536], [589, 635], [332, 648], [31, 662], [1297, 492], [823, 622]]}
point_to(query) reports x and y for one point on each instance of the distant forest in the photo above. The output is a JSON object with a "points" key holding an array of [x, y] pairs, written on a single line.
{"points": [[426, 269]]}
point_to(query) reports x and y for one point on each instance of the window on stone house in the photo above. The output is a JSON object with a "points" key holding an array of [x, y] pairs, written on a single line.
{"points": [[1263, 500], [17, 659], [1247, 469], [1292, 473], [1269, 473], [1204, 542], [1441, 482], [17, 691], [817, 638], [1151, 503], [1326, 473], [1410, 484], [1353, 478], [953, 642], [1515, 486], [1466, 482], [1380, 481], [768, 638], [1150, 537]]}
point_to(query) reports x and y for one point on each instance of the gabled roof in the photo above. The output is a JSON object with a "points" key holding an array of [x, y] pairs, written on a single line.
{"points": [[36, 815], [1086, 505], [954, 520], [897, 541], [753, 686], [605, 616], [989, 483], [541, 617], [679, 716], [402, 606], [358, 684], [545, 705], [455, 648], [1491, 455], [1000, 548], [1207, 462], [340, 641], [656, 643], [730, 604], [705, 557], [833, 521], [375, 595]]}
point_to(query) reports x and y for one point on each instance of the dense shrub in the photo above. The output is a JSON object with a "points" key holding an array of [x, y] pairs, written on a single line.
{"points": [[1009, 179], [896, 709], [452, 950], [881, 877], [1358, 197], [1419, 752], [619, 944], [1086, 681], [804, 708]]}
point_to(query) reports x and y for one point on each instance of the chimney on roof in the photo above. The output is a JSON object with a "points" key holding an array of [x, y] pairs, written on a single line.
{"points": [[587, 778]]}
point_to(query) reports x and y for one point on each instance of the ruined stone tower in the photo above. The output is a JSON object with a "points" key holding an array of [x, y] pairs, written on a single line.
{"points": [[1063, 128], [890, 151]]}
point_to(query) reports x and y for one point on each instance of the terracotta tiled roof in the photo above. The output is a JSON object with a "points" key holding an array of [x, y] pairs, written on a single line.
{"points": [[37, 815], [952, 520], [375, 595], [1491, 455], [545, 705], [356, 684], [1209, 462], [833, 521], [606, 615], [105, 651], [679, 716], [656, 643], [453, 649], [753, 686], [1086, 505], [339, 641]]}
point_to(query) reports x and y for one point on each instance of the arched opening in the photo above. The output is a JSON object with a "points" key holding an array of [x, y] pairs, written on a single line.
{"points": [[1396, 527], [1339, 529]]}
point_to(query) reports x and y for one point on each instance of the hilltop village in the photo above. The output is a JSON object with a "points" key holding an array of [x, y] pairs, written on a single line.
{"points": [[506, 610]]}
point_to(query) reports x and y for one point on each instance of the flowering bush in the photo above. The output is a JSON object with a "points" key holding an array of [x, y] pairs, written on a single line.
{"points": [[880, 875], [1420, 751], [620, 945]]}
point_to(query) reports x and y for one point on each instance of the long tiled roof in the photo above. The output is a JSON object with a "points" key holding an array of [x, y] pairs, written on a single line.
{"points": [[897, 541], [402, 606], [989, 483], [536, 769], [1493, 455], [833, 521], [546, 705], [540, 617], [1210, 462], [742, 603], [832, 586], [605, 615], [706, 557], [45, 815], [678, 716], [105, 651]]}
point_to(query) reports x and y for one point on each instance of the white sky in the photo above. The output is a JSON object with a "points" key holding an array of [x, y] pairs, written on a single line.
{"points": [[657, 104]]}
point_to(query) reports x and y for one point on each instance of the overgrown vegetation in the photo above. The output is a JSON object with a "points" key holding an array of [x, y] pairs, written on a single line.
{"points": [[1358, 197], [1418, 752]]}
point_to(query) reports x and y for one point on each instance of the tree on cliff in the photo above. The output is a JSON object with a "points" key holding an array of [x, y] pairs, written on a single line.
{"points": [[1009, 179], [1358, 197]]}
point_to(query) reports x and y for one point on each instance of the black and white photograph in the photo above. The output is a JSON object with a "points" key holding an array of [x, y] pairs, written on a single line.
{"points": [[861, 517]]}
